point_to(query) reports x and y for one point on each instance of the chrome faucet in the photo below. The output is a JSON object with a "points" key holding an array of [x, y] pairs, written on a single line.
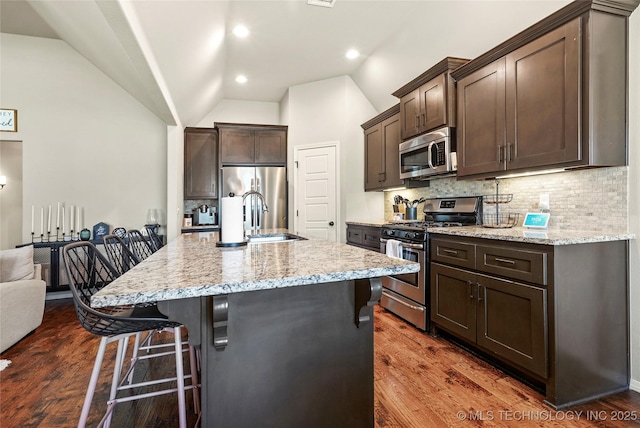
{"points": [[254, 221]]}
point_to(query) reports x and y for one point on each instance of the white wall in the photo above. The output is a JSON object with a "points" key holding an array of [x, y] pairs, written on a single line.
{"points": [[85, 140], [237, 111], [634, 193], [332, 110]]}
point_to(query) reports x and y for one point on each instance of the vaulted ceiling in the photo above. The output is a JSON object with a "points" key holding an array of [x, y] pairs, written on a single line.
{"points": [[179, 57]]}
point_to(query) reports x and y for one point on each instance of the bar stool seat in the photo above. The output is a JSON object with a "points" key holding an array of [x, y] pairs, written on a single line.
{"points": [[89, 271]]}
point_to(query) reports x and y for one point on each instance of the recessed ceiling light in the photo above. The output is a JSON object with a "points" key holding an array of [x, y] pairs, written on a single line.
{"points": [[324, 3], [241, 31], [352, 54], [240, 78]]}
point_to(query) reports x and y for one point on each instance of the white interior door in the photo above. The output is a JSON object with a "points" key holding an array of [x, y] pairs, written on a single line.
{"points": [[316, 191]]}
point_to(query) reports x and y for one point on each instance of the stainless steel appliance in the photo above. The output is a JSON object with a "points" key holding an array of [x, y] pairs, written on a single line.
{"points": [[408, 295], [271, 182], [204, 214], [428, 154]]}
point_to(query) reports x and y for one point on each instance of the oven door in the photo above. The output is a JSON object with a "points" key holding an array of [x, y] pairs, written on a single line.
{"points": [[410, 285]]}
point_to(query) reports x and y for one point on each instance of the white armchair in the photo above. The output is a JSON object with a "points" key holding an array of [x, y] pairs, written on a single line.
{"points": [[22, 295]]}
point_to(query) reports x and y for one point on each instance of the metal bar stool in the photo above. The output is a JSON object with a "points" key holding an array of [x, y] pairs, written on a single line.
{"points": [[154, 239], [89, 271], [139, 244], [120, 256]]}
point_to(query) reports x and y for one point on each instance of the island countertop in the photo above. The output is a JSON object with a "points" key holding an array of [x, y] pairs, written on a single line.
{"points": [[192, 266]]}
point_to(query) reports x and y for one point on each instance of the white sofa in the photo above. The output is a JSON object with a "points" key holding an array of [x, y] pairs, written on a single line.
{"points": [[22, 295]]}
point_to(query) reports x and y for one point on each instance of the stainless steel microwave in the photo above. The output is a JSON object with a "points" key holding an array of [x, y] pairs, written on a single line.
{"points": [[428, 154]]}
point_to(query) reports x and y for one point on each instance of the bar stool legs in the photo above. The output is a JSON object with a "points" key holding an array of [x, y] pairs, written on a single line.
{"points": [[126, 383]]}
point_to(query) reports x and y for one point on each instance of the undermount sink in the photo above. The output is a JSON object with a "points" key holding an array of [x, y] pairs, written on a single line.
{"points": [[273, 237]]}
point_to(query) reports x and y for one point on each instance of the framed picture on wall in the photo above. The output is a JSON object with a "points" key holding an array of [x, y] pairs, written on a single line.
{"points": [[8, 120]]}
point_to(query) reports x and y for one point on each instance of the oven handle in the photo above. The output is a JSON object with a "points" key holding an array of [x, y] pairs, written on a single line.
{"points": [[415, 308], [406, 244]]}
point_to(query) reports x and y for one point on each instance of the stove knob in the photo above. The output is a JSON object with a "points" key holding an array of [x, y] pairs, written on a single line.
{"points": [[411, 235]]}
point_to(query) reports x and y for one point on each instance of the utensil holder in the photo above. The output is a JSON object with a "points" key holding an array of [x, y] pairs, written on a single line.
{"points": [[412, 213]]}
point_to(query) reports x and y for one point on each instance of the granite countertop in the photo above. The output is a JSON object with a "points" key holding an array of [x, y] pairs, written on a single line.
{"points": [[532, 236], [372, 223], [192, 265]]}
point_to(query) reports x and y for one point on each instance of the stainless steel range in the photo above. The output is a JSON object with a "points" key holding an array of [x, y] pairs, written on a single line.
{"points": [[408, 295]]}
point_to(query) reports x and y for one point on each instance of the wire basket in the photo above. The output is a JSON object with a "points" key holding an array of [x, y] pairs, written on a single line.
{"points": [[503, 198], [501, 220]]}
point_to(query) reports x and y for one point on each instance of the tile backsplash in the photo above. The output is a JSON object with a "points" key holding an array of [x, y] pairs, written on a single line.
{"points": [[589, 199]]}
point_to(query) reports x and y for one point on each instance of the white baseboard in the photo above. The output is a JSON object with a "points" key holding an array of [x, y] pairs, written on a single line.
{"points": [[634, 385]]}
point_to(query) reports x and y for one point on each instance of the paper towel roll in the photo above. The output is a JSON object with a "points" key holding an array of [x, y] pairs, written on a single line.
{"points": [[232, 225]]}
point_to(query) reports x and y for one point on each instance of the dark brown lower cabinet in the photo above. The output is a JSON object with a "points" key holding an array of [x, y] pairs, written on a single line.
{"points": [[364, 236], [556, 314], [506, 318]]}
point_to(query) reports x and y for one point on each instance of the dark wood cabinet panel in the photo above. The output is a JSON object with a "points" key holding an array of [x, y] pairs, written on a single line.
{"points": [[428, 102], [381, 151], [373, 151], [521, 264], [237, 146], [481, 119], [252, 144], [271, 146], [546, 311], [506, 318], [553, 96], [432, 102], [542, 94], [200, 163], [454, 253], [512, 322], [453, 303], [410, 114], [364, 236]]}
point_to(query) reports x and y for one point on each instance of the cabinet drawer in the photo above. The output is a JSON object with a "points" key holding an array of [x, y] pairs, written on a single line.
{"points": [[454, 253], [524, 265], [354, 235], [371, 237]]}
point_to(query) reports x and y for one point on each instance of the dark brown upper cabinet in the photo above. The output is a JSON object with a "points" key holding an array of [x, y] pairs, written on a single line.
{"points": [[200, 163], [252, 144], [553, 96], [428, 101], [381, 153]]}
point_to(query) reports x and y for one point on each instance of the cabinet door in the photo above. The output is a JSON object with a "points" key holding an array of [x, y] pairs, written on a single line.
{"points": [[542, 87], [271, 147], [481, 120], [200, 164], [373, 158], [453, 303], [391, 140], [512, 322], [433, 113], [237, 146], [410, 115]]}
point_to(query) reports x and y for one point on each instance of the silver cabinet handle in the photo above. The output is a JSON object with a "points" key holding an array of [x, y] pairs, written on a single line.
{"points": [[455, 253], [511, 262]]}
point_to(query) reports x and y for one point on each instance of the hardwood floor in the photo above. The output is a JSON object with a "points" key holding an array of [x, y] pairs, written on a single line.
{"points": [[420, 381]]}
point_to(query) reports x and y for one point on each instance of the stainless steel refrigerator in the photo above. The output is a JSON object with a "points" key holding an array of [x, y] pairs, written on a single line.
{"points": [[271, 182]]}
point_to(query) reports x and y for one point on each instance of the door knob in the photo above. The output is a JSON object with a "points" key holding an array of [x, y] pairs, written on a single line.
{"points": [[331, 223]]}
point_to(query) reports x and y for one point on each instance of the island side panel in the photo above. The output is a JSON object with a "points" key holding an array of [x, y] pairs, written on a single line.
{"points": [[294, 357]]}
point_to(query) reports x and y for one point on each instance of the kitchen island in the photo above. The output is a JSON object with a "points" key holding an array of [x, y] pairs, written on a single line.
{"points": [[285, 328]]}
